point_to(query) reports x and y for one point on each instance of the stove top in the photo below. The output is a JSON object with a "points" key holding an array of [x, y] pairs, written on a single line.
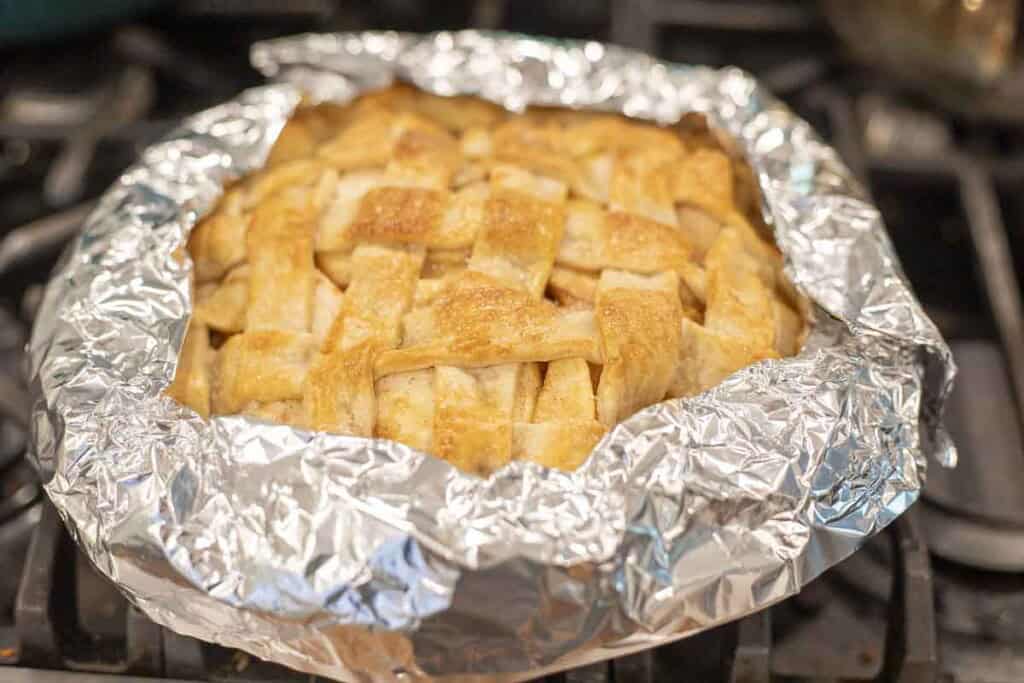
{"points": [[938, 597]]}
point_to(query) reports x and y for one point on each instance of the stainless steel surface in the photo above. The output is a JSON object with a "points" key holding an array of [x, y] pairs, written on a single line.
{"points": [[911, 652], [833, 631], [40, 107], [148, 47], [984, 605], [16, 674], [982, 418], [275, 9], [973, 542], [969, 660], [944, 44], [41, 237], [892, 128], [737, 15], [127, 99], [12, 400], [752, 659], [997, 272], [13, 155]]}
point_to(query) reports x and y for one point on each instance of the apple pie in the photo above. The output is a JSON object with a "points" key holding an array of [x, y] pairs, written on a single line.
{"points": [[479, 285]]}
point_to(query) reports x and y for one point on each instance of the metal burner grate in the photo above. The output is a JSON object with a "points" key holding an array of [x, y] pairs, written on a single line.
{"points": [[54, 627], [947, 186]]}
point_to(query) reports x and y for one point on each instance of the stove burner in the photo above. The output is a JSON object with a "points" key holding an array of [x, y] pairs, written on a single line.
{"points": [[946, 184], [974, 515]]}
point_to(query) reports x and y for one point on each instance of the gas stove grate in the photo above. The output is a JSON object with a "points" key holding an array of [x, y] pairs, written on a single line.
{"points": [[53, 627], [947, 187]]}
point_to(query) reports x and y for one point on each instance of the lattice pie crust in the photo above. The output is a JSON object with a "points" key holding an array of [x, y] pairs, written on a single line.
{"points": [[479, 285]]}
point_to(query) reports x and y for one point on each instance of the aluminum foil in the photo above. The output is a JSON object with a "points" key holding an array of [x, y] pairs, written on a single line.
{"points": [[365, 560]]}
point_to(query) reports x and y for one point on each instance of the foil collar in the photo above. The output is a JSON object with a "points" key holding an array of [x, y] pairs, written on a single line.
{"points": [[365, 560]]}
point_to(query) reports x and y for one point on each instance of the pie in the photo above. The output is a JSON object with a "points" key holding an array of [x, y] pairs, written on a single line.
{"points": [[476, 284]]}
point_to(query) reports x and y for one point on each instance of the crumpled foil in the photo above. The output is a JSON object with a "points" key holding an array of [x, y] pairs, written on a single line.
{"points": [[366, 560]]}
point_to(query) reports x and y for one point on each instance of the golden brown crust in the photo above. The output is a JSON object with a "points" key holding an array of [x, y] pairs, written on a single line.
{"points": [[639, 317], [481, 286], [518, 241], [567, 392], [707, 357], [430, 156], [405, 408], [473, 416], [338, 391], [528, 385], [569, 287], [738, 302], [296, 141], [280, 255], [191, 385], [218, 243], [477, 321], [705, 180], [641, 184], [399, 215], [221, 306], [260, 366], [564, 444], [295, 173], [381, 291]]}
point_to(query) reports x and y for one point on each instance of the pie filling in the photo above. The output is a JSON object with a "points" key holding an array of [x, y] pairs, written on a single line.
{"points": [[479, 285]]}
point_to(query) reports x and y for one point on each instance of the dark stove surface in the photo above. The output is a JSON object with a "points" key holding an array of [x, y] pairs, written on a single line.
{"points": [[938, 597]]}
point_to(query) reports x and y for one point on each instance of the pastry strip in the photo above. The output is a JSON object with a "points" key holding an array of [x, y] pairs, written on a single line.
{"points": [[280, 248], [263, 366], [381, 291], [476, 321], [472, 416], [518, 241], [564, 430], [191, 385], [639, 317]]}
